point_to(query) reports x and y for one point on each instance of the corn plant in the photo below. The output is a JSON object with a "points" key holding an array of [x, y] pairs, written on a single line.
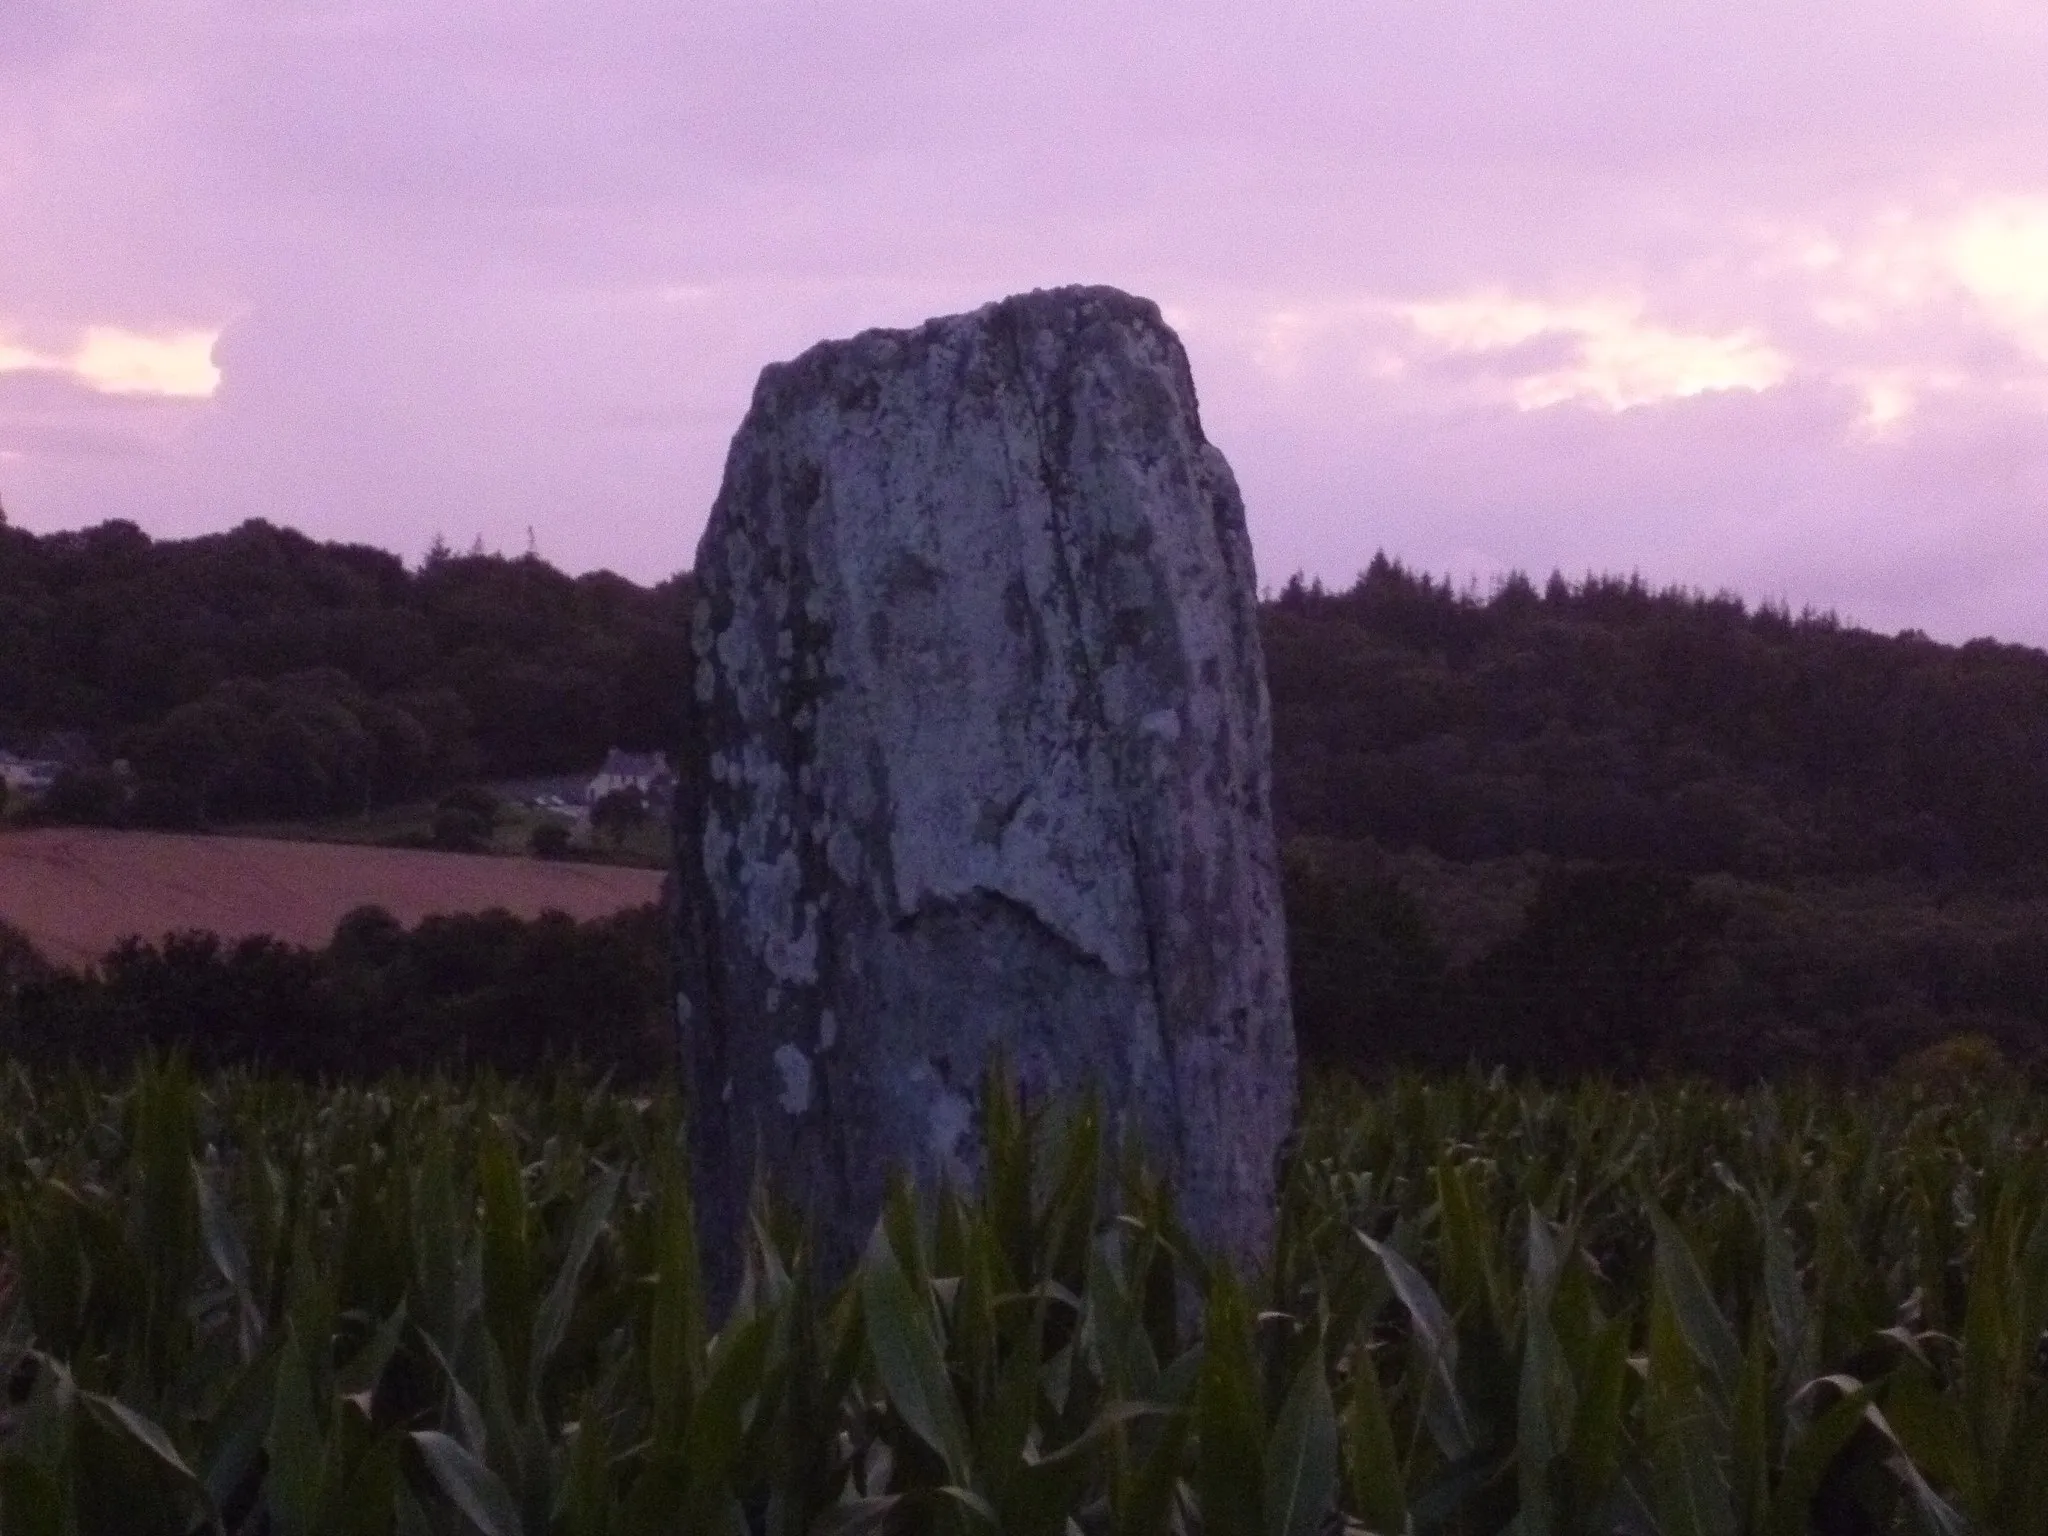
{"points": [[251, 1306]]}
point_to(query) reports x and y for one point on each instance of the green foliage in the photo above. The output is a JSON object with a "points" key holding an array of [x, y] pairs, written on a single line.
{"points": [[1956, 1064], [94, 796], [461, 992], [1603, 720], [1593, 826], [1651, 831], [1364, 964], [258, 673], [1408, 960], [617, 812], [244, 1305], [464, 819]]}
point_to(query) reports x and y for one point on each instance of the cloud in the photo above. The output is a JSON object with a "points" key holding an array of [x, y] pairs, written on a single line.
{"points": [[1741, 292], [1618, 360], [1944, 298], [178, 364], [110, 399], [1998, 252], [1893, 310], [174, 364]]}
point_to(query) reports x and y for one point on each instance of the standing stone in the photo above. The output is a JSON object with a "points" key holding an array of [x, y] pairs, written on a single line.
{"points": [[980, 767]]}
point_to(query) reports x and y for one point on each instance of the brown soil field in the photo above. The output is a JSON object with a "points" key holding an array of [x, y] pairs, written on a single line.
{"points": [[77, 891]]}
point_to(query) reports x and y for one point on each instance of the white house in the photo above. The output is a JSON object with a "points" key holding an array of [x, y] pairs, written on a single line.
{"points": [[28, 774], [648, 772]]}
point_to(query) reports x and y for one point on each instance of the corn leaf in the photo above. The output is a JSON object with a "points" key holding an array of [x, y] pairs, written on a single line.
{"points": [[469, 1485], [1301, 1455], [1229, 1428], [908, 1357]]}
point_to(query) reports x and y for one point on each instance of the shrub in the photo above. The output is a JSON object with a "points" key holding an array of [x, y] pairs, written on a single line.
{"points": [[456, 993], [617, 813], [1957, 1064], [97, 797]]}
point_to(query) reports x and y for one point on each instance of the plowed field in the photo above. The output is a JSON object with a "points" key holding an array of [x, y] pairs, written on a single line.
{"points": [[78, 891]]}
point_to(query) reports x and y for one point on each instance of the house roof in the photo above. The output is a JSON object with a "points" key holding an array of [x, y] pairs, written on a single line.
{"points": [[633, 765]]}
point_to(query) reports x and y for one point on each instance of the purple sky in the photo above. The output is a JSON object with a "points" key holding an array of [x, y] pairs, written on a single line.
{"points": [[1747, 294]]}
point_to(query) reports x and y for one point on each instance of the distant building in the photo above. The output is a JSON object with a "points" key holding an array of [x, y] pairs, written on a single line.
{"points": [[647, 772], [32, 775]]}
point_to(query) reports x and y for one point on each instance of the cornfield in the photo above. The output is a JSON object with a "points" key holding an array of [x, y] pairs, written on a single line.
{"points": [[252, 1306]]}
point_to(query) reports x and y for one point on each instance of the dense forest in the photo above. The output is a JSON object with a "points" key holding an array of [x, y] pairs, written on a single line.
{"points": [[258, 673], [455, 994], [1604, 720], [1582, 824], [1597, 826]]}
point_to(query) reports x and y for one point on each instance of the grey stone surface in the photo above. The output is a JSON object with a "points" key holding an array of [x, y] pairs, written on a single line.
{"points": [[981, 764]]}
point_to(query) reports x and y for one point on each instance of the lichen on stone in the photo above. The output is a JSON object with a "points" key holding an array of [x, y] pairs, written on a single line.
{"points": [[795, 1070], [979, 767]]}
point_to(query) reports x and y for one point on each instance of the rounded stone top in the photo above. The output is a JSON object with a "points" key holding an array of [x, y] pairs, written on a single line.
{"points": [[1047, 324]]}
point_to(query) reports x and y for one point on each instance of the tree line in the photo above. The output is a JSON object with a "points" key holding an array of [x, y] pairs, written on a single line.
{"points": [[1587, 824], [1600, 827], [259, 673], [1604, 720], [1627, 971], [454, 994], [1562, 969]]}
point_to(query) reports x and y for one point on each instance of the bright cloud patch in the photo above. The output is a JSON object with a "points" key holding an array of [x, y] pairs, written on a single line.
{"points": [[1999, 254], [1910, 309], [1908, 302], [1617, 360], [125, 363], [1987, 261], [178, 364]]}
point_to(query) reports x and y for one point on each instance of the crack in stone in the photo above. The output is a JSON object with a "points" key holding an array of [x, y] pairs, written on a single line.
{"points": [[977, 769]]}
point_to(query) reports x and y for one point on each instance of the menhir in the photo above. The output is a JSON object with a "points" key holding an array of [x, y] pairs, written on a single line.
{"points": [[980, 770]]}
